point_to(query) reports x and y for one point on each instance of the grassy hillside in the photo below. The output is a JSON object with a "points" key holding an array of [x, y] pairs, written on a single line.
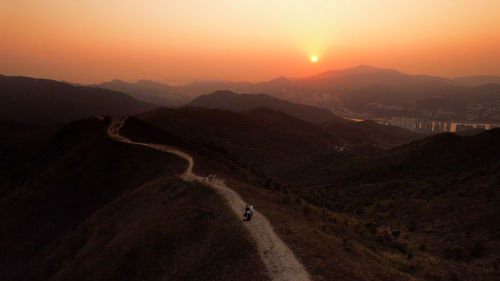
{"points": [[421, 211], [91, 208]]}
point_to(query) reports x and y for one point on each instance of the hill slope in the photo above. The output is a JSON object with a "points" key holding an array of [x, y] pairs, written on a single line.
{"points": [[147, 91], [261, 137], [421, 211], [92, 208], [242, 102], [47, 102]]}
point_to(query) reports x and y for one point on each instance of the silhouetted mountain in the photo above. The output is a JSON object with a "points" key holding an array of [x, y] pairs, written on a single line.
{"points": [[90, 207], [357, 70], [372, 134], [147, 91], [242, 102], [47, 102], [196, 89], [478, 80], [370, 92], [259, 137]]}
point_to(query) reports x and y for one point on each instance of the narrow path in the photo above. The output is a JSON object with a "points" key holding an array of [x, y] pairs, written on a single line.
{"points": [[278, 258]]}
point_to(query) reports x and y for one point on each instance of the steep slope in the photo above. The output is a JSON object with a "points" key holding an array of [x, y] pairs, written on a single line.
{"points": [[47, 102], [261, 137], [92, 208], [147, 91], [280, 261], [18, 144], [242, 102], [441, 193], [371, 134]]}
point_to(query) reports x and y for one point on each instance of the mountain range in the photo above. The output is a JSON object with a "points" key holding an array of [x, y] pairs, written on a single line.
{"points": [[352, 200], [147, 91], [364, 92], [241, 102]]}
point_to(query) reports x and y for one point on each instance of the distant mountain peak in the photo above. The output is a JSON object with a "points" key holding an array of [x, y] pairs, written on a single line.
{"points": [[365, 67], [243, 102], [116, 80], [356, 70], [280, 79]]}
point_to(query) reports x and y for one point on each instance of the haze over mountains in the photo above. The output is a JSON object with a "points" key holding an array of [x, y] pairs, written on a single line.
{"points": [[148, 91], [371, 93]]}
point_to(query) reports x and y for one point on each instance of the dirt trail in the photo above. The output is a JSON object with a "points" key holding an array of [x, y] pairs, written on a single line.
{"points": [[278, 258]]}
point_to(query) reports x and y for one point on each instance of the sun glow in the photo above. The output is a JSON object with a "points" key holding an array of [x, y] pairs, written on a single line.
{"points": [[314, 59]]}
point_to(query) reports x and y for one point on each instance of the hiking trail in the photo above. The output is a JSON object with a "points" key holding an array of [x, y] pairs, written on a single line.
{"points": [[281, 263]]}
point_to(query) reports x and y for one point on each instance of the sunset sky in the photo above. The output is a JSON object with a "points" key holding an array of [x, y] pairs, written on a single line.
{"points": [[183, 40]]}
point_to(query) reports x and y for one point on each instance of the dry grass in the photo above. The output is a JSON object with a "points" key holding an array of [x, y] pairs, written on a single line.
{"points": [[338, 246]]}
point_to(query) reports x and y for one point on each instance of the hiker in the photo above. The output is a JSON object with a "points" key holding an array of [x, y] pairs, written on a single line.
{"points": [[250, 213], [247, 211]]}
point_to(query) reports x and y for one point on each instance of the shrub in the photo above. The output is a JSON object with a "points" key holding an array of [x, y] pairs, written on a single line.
{"points": [[387, 237], [401, 247], [476, 250], [306, 210], [372, 227], [412, 226], [268, 183], [455, 252]]}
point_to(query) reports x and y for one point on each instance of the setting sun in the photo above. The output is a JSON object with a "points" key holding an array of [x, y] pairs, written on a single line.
{"points": [[314, 59]]}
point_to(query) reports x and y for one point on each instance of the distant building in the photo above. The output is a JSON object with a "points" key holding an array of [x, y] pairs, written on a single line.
{"points": [[437, 126]]}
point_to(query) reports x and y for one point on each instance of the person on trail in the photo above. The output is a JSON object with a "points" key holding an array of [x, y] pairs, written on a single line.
{"points": [[247, 213], [250, 213]]}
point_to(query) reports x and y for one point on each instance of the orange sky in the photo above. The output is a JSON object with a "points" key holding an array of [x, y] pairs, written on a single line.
{"points": [[182, 40]]}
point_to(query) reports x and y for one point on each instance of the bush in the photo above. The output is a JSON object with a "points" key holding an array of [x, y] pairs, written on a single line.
{"points": [[401, 247], [268, 183], [476, 250], [412, 226], [455, 252], [372, 227], [306, 210]]}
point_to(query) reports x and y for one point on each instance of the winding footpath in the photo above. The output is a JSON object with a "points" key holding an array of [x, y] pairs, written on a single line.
{"points": [[279, 260]]}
